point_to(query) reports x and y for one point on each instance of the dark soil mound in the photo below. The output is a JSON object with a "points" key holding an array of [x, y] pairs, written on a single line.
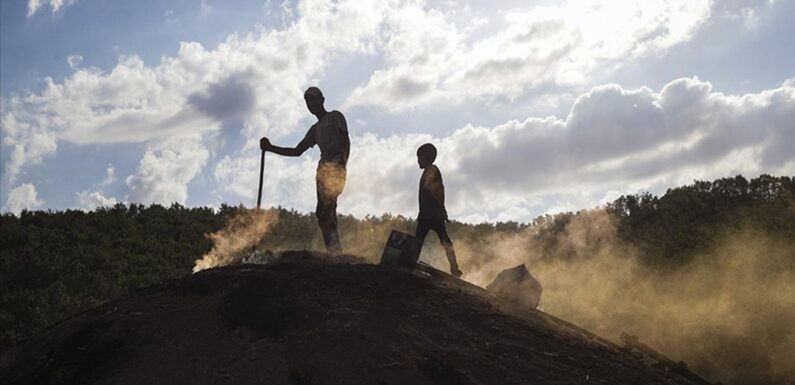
{"points": [[301, 320]]}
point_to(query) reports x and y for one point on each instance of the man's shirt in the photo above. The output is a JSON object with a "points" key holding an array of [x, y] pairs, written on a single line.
{"points": [[330, 134]]}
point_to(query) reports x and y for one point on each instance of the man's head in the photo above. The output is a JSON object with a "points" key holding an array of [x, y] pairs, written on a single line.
{"points": [[426, 155], [314, 100]]}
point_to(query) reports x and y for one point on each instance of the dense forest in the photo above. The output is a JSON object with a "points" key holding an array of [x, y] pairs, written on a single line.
{"points": [[55, 264], [672, 228]]}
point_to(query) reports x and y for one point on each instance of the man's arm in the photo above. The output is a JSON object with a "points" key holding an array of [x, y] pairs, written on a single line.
{"points": [[345, 140], [265, 145]]}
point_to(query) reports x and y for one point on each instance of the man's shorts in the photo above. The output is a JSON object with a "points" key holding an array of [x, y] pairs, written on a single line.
{"points": [[330, 181]]}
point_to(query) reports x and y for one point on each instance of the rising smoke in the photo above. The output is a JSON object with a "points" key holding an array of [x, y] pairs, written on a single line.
{"points": [[242, 233]]}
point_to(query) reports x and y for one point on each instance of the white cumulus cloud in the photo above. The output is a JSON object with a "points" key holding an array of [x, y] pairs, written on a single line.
{"points": [[163, 173], [89, 200], [55, 5], [74, 61], [623, 135], [23, 197], [428, 55], [253, 78], [613, 141], [563, 44], [110, 176]]}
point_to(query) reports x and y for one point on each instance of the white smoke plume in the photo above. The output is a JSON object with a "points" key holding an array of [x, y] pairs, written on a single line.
{"points": [[241, 234]]}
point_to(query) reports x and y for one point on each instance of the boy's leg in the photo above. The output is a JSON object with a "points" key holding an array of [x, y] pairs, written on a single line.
{"points": [[422, 231], [447, 243]]}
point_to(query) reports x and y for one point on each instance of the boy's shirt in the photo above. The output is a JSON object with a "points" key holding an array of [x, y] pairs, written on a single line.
{"points": [[432, 194]]}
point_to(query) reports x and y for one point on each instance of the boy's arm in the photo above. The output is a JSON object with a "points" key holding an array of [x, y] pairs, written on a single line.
{"points": [[444, 208], [439, 192]]}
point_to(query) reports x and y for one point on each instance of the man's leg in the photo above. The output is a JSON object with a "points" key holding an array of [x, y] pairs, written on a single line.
{"points": [[447, 243], [330, 181], [331, 235]]}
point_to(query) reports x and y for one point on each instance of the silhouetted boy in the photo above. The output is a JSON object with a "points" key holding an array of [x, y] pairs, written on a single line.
{"points": [[432, 214]]}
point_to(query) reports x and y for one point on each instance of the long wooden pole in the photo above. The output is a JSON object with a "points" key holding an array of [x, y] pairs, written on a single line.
{"points": [[261, 171]]}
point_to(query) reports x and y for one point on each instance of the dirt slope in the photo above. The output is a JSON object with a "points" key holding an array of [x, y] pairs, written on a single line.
{"points": [[306, 320]]}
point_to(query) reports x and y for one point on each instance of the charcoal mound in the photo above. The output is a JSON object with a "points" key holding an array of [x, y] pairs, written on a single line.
{"points": [[303, 320]]}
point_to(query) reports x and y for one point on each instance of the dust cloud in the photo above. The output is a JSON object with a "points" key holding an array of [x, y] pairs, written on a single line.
{"points": [[728, 314], [366, 238], [242, 233]]}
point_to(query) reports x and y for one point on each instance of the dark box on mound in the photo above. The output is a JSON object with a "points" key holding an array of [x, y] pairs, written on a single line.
{"points": [[401, 250]]}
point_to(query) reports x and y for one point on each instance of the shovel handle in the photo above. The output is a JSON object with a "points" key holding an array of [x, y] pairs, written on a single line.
{"points": [[261, 171]]}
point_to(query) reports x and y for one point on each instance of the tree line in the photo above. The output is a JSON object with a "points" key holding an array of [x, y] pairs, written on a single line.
{"points": [[57, 263]]}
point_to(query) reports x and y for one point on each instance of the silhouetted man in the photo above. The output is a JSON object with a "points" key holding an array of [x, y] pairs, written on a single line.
{"points": [[330, 133]]}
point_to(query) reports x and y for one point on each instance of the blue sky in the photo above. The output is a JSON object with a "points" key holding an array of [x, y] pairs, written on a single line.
{"points": [[536, 107]]}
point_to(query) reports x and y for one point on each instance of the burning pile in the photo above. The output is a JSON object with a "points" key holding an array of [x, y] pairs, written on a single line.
{"points": [[238, 239]]}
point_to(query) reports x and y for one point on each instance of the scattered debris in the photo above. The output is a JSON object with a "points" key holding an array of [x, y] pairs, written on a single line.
{"points": [[261, 257]]}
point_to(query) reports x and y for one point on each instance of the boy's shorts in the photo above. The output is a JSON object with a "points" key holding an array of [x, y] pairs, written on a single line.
{"points": [[437, 225]]}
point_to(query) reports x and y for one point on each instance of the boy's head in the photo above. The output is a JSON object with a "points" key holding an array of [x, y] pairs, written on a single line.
{"points": [[426, 155]]}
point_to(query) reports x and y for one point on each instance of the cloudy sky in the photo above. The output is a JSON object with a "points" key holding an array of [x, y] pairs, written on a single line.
{"points": [[535, 106]]}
